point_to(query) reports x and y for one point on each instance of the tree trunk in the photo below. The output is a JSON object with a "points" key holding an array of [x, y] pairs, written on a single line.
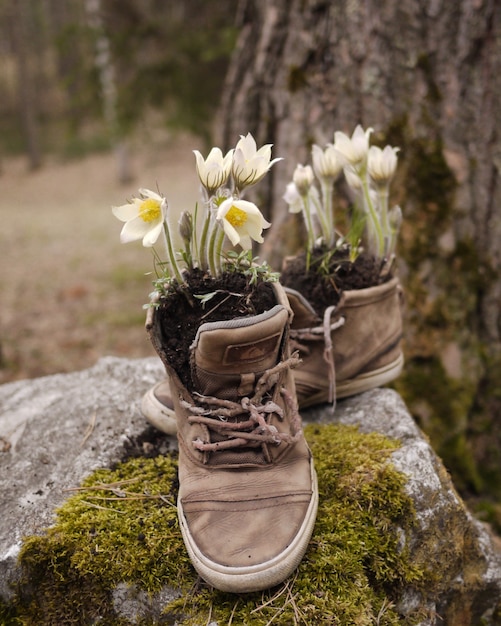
{"points": [[106, 71], [26, 84], [426, 75]]}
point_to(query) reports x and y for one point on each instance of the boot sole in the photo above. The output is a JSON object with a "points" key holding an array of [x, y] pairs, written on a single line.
{"points": [[157, 414], [364, 382], [370, 380], [260, 576]]}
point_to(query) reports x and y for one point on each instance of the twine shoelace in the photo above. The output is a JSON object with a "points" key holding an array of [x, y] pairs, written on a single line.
{"points": [[220, 415], [319, 333]]}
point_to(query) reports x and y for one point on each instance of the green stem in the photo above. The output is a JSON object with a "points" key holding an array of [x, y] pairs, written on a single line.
{"points": [[309, 230], [383, 204], [328, 215], [194, 240], [219, 248], [374, 218], [172, 256], [210, 249], [203, 242]]}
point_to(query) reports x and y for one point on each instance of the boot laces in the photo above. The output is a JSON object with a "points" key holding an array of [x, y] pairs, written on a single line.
{"points": [[246, 422], [321, 333]]}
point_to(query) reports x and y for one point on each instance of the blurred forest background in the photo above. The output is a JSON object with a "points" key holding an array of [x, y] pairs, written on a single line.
{"points": [[76, 75], [99, 97]]}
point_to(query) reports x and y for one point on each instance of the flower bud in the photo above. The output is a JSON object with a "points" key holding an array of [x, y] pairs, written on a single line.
{"points": [[186, 226], [303, 178], [381, 164], [327, 163]]}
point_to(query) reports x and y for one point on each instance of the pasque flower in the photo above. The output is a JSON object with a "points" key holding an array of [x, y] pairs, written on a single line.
{"points": [[250, 164], [143, 218], [242, 222], [215, 170], [202, 236], [326, 163], [381, 164], [293, 198], [353, 150], [303, 178]]}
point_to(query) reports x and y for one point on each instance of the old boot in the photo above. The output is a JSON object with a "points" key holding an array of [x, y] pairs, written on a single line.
{"points": [[158, 408], [247, 494], [354, 348]]}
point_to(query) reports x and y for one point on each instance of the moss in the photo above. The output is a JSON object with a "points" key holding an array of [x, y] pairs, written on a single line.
{"points": [[297, 79], [445, 286], [426, 382], [426, 64], [122, 527]]}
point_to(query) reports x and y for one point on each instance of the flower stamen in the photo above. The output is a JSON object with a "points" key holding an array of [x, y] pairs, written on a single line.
{"points": [[236, 217], [149, 210]]}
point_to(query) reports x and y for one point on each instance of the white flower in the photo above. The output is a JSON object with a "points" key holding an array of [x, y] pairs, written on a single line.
{"points": [[143, 218], [353, 150], [353, 179], [303, 178], [215, 170], [297, 203], [249, 163], [326, 163], [293, 198], [381, 164], [242, 221], [395, 218]]}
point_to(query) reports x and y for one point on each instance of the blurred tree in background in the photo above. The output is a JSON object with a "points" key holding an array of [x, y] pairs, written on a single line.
{"points": [[77, 75], [426, 75]]}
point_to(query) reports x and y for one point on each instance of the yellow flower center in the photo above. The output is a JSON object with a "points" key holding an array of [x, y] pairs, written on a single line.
{"points": [[236, 217], [149, 210]]}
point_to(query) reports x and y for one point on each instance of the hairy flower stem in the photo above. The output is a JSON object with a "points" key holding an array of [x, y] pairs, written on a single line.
{"points": [[327, 215], [203, 242], [195, 252], [309, 229], [374, 218], [219, 247], [172, 256], [382, 192], [211, 252]]}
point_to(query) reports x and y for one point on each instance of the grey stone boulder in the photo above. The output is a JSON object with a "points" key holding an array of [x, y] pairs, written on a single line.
{"points": [[56, 430]]}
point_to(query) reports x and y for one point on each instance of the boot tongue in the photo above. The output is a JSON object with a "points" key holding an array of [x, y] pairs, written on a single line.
{"points": [[228, 357]]}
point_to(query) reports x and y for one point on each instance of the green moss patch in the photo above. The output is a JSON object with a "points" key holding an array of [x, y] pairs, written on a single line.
{"points": [[121, 526]]}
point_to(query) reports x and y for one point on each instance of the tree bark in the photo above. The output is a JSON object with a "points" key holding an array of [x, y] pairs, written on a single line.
{"points": [[26, 84], [426, 75]]}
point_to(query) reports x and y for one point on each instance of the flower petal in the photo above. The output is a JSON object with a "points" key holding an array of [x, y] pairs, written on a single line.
{"points": [[134, 229], [125, 212], [148, 193], [152, 235]]}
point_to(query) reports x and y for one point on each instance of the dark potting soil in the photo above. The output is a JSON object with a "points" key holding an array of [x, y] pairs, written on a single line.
{"points": [[323, 289], [181, 313]]}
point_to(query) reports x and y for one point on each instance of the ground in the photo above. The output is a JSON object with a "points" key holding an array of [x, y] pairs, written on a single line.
{"points": [[71, 293]]}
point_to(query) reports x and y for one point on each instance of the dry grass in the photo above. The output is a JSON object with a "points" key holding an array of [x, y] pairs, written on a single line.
{"points": [[70, 292]]}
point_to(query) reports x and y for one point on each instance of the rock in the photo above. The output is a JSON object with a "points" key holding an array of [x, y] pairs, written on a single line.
{"points": [[56, 430]]}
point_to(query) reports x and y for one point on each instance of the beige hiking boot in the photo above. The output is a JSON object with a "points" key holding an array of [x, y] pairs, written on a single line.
{"points": [[247, 487], [356, 347], [157, 407], [361, 351]]}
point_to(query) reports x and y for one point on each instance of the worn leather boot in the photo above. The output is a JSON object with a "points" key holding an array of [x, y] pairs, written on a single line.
{"points": [[247, 487], [354, 348]]}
